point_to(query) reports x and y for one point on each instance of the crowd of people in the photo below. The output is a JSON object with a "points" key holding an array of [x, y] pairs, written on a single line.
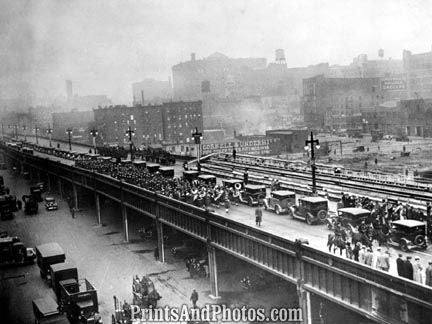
{"points": [[197, 192]]}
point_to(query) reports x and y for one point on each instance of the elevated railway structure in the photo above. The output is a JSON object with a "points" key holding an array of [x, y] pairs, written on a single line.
{"points": [[374, 294], [264, 170]]}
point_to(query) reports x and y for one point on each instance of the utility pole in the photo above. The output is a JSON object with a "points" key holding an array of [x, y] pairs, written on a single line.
{"points": [[313, 144], [49, 132], [198, 137], [36, 132], [25, 133], [130, 133], [69, 132], [94, 133]]}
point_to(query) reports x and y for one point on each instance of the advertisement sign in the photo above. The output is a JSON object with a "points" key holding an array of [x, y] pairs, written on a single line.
{"points": [[393, 84], [253, 147]]}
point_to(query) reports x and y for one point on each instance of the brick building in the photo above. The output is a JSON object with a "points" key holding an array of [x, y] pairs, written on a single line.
{"points": [[169, 124], [418, 70]]}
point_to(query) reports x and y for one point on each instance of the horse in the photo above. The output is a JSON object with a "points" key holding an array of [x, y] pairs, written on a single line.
{"points": [[337, 242], [363, 238]]}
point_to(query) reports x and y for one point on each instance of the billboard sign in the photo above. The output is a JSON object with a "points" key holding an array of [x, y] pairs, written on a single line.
{"points": [[265, 146], [393, 84]]}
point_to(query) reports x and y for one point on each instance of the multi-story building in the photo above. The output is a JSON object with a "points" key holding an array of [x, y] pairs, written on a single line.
{"points": [[216, 74], [170, 124], [151, 91], [418, 70], [385, 117], [416, 116], [333, 103]]}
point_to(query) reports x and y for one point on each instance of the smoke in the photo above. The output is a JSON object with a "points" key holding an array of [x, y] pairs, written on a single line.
{"points": [[17, 44]]}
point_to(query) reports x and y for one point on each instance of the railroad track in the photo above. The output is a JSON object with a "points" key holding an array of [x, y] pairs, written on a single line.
{"points": [[332, 182]]}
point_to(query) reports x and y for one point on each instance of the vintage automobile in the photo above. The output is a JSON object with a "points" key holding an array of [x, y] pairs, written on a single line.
{"points": [[280, 201], [312, 209], [12, 251], [236, 184], [208, 179], [50, 203], [408, 234], [46, 310], [62, 273], [30, 205], [350, 218], [48, 254], [253, 194], [190, 175]]}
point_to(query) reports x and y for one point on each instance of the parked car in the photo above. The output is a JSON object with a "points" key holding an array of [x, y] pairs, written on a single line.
{"points": [[46, 310], [351, 217], [50, 203], [408, 234], [253, 194], [280, 201], [311, 209]]}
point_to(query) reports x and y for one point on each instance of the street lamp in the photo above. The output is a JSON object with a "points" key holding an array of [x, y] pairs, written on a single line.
{"points": [[49, 132], [94, 133], [25, 133], [313, 144], [198, 137], [36, 132], [130, 133], [69, 132]]}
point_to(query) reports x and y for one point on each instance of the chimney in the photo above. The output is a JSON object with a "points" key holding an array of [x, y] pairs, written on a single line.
{"points": [[142, 97], [192, 57]]}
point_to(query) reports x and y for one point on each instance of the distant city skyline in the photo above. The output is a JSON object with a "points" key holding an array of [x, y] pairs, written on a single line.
{"points": [[104, 46]]}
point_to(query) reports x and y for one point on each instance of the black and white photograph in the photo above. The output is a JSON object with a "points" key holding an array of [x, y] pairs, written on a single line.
{"points": [[215, 161]]}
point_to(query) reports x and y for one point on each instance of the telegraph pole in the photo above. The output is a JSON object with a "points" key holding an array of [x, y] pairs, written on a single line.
{"points": [[198, 137], [25, 133], [49, 132], [94, 133], [36, 132], [130, 133], [69, 132], [313, 144]]}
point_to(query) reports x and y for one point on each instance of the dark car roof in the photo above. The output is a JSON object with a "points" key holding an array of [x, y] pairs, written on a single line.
{"points": [[50, 249], [46, 306], [408, 223], [313, 199], [62, 266]]}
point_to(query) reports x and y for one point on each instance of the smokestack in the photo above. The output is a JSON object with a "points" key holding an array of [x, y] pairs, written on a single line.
{"points": [[192, 57], [142, 97]]}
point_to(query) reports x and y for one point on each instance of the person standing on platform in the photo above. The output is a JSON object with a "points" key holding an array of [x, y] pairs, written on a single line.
{"points": [[356, 251], [258, 215], [408, 268], [246, 177], [384, 261], [417, 269], [428, 281], [362, 253], [400, 266], [375, 256], [194, 298], [368, 257]]}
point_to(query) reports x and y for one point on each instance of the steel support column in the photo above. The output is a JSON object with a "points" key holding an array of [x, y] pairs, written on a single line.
{"points": [[161, 245], [75, 195], [214, 289], [48, 182], [59, 184], [125, 224], [98, 212]]}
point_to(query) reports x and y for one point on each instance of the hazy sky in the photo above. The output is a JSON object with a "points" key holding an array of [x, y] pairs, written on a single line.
{"points": [[105, 45]]}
